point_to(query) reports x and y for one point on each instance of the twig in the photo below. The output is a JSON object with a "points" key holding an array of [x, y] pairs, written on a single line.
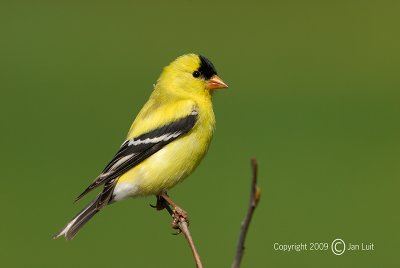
{"points": [[182, 224], [185, 230], [255, 194]]}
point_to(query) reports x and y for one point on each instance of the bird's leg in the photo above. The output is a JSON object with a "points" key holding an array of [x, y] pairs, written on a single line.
{"points": [[178, 214], [161, 204]]}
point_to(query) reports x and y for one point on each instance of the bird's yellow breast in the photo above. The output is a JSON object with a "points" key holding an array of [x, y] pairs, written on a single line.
{"points": [[174, 162]]}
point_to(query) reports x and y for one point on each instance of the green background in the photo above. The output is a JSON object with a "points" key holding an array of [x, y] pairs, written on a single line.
{"points": [[314, 95]]}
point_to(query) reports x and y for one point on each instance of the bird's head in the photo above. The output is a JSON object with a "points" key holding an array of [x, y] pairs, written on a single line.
{"points": [[191, 74]]}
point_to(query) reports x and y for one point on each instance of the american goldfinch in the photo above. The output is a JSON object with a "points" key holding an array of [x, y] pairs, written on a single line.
{"points": [[166, 141]]}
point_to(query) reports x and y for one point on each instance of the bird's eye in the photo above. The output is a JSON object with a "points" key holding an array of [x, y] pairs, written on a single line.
{"points": [[196, 74]]}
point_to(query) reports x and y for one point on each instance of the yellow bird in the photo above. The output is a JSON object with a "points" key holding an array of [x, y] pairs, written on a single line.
{"points": [[166, 141]]}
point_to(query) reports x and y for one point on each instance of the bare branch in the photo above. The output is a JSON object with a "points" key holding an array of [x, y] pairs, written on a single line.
{"points": [[183, 226], [180, 221], [255, 195]]}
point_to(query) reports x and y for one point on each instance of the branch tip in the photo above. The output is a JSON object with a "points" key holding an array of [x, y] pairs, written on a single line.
{"points": [[255, 195]]}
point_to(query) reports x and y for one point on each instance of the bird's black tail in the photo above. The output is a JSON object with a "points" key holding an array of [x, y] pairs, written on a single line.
{"points": [[72, 228], [104, 198]]}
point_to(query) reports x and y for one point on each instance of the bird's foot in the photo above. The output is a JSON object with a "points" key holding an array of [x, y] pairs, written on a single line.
{"points": [[179, 216], [160, 204]]}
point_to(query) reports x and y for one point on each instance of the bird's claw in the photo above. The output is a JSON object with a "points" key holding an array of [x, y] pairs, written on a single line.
{"points": [[179, 215], [160, 205]]}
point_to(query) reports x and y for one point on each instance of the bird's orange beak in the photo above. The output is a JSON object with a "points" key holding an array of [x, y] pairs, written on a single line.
{"points": [[215, 82]]}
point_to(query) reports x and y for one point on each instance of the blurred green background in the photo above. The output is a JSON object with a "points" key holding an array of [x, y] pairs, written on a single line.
{"points": [[314, 95]]}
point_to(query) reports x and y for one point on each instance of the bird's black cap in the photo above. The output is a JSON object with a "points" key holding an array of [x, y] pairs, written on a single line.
{"points": [[207, 69]]}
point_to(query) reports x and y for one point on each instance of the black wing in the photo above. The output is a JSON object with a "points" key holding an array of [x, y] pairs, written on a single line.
{"points": [[134, 151]]}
